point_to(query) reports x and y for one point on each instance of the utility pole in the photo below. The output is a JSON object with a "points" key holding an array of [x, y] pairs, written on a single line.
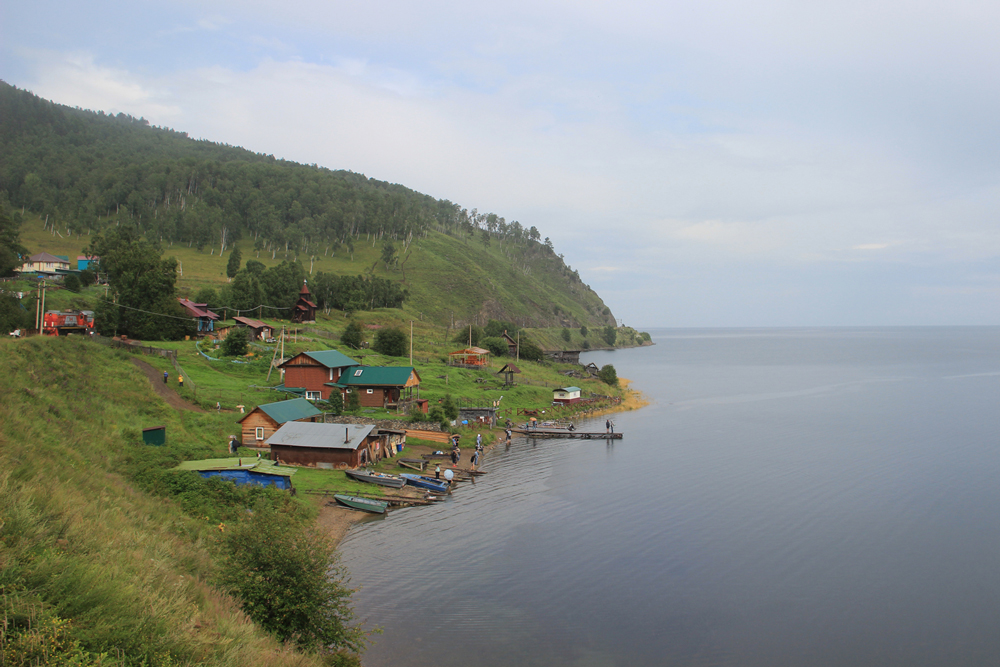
{"points": [[411, 342], [41, 323]]}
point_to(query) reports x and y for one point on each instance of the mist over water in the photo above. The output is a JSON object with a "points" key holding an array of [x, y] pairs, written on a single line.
{"points": [[821, 497]]}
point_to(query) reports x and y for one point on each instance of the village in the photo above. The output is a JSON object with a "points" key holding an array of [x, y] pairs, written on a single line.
{"points": [[352, 430]]}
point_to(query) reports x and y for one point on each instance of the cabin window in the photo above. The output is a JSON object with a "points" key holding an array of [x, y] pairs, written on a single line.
{"points": [[313, 395], [358, 372], [371, 391], [259, 433]]}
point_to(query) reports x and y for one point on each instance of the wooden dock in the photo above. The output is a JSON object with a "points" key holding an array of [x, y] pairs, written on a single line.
{"points": [[564, 433]]}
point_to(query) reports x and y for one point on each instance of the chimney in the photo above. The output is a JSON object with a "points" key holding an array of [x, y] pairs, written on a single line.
{"points": [[347, 437]]}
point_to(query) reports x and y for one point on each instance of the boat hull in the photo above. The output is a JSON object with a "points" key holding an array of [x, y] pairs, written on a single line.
{"points": [[424, 483], [391, 481], [364, 504]]}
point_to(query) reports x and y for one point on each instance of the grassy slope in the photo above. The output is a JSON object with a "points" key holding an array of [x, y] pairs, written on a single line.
{"points": [[77, 541], [445, 277]]}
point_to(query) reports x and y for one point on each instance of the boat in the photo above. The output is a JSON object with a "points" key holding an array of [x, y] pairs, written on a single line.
{"points": [[365, 504], [422, 482], [380, 478]]}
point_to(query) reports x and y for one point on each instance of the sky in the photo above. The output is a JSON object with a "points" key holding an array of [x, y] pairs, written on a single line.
{"points": [[721, 163]]}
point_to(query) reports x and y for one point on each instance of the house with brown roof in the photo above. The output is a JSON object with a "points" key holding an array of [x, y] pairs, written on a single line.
{"points": [[206, 318], [46, 263]]}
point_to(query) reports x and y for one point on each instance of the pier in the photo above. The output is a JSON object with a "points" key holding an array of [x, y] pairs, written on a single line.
{"points": [[565, 433]]}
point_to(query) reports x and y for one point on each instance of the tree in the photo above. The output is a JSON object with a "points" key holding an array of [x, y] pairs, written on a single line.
{"points": [[11, 250], [388, 254], [288, 578], [584, 331], [353, 404], [462, 337], [143, 299], [233, 266], [72, 283], [335, 404], [608, 375], [391, 341], [207, 295], [353, 335], [496, 346], [530, 351], [449, 408], [565, 334], [235, 344], [12, 314], [610, 334]]}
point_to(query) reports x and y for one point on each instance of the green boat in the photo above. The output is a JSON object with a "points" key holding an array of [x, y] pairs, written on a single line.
{"points": [[365, 504]]}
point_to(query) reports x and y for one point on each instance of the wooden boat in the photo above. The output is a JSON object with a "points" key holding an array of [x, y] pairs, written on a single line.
{"points": [[422, 482], [365, 504], [380, 478], [436, 455]]}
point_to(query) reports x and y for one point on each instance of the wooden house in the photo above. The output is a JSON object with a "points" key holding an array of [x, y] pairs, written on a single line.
{"points": [[511, 344], [206, 318], [258, 330], [304, 311], [46, 263], [566, 395], [314, 373], [470, 357], [326, 445], [260, 423], [379, 386]]}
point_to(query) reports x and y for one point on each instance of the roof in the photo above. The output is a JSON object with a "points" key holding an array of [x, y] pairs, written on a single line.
{"points": [[46, 257], [375, 376], [325, 436], [305, 289], [198, 309], [253, 324], [470, 350], [567, 389], [330, 358], [236, 463], [286, 411], [509, 368]]}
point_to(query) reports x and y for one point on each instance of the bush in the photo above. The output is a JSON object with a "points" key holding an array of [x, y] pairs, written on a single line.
{"points": [[287, 577], [610, 334], [353, 335], [391, 342], [334, 404], [584, 331], [449, 408], [530, 351], [496, 346], [565, 334], [462, 337], [608, 375], [72, 283], [235, 344], [353, 403]]}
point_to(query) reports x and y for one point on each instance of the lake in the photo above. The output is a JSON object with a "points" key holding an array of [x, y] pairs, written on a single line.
{"points": [[791, 496]]}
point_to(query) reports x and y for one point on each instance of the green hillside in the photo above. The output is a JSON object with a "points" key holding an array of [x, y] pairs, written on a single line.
{"points": [[67, 174]]}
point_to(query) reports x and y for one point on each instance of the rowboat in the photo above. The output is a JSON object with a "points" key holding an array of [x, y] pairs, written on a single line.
{"points": [[380, 478], [422, 482], [365, 504]]}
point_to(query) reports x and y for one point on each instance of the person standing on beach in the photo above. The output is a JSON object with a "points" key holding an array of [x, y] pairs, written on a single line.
{"points": [[475, 459], [437, 471], [479, 441]]}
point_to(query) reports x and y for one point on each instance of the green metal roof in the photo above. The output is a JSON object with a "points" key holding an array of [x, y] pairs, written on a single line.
{"points": [[332, 358], [374, 376], [289, 411], [236, 463]]}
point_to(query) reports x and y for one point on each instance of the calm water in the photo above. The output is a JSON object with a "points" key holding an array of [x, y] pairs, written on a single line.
{"points": [[791, 497]]}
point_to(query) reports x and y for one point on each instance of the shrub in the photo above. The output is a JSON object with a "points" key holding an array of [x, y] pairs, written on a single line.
{"points": [[289, 580], [334, 404], [610, 334], [235, 344], [496, 346], [462, 337], [584, 331], [353, 404], [391, 342], [353, 335], [608, 375], [449, 408], [530, 351], [565, 334], [72, 283]]}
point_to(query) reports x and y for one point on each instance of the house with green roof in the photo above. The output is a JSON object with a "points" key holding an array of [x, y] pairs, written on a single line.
{"points": [[310, 373], [258, 424], [378, 386]]}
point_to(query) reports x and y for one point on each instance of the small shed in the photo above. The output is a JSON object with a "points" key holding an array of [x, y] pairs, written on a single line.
{"points": [[509, 371], [260, 423], [483, 415], [566, 395], [258, 330], [326, 445], [155, 435], [261, 472]]}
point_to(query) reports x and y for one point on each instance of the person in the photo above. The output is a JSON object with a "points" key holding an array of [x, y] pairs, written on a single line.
{"points": [[508, 436], [607, 426], [479, 441], [458, 454], [437, 471], [612, 426], [475, 459], [454, 458], [165, 375], [180, 380], [571, 427], [218, 407]]}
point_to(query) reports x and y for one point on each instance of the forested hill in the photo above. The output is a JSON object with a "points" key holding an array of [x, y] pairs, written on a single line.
{"points": [[83, 171]]}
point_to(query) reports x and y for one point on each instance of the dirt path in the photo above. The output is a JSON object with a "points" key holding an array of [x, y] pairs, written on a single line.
{"points": [[166, 393]]}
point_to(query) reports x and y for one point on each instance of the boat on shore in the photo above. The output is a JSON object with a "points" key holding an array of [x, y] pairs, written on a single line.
{"points": [[422, 482], [380, 478], [364, 504]]}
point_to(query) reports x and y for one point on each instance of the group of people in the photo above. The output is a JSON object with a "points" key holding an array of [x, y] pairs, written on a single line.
{"points": [[609, 426], [456, 451], [180, 378]]}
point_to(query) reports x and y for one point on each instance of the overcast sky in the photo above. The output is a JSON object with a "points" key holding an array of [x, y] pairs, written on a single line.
{"points": [[712, 163]]}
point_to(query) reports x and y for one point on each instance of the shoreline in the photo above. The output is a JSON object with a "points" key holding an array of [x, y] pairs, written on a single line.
{"points": [[337, 521]]}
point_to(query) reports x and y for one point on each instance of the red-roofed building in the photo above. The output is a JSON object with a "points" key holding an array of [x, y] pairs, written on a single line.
{"points": [[305, 309], [206, 318]]}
